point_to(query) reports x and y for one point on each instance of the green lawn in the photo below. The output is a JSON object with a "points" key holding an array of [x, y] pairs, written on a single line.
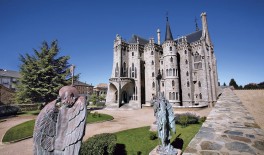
{"points": [[25, 129], [20, 131], [95, 118], [136, 141]]}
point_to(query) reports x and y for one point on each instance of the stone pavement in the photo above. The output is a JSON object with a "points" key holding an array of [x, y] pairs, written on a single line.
{"points": [[229, 130]]}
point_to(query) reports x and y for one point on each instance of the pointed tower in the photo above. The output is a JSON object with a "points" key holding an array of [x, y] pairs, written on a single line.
{"points": [[170, 65], [168, 35]]}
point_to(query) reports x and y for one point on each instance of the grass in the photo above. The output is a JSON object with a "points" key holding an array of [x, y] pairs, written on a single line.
{"points": [[20, 131], [137, 141], [25, 129], [29, 113], [93, 118]]}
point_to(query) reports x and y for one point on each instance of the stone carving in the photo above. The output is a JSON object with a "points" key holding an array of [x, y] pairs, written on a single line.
{"points": [[165, 120], [60, 126]]}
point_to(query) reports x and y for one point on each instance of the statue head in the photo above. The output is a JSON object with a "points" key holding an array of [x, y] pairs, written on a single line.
{"points": [[68, 95]]}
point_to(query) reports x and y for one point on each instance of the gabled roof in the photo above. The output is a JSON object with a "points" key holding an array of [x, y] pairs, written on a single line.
{"points": [[9, 73], [134, 39], [195, 36]]}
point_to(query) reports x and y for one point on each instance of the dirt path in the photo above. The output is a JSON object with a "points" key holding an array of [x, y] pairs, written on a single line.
{"points": [[123, 120], [253, 100]]}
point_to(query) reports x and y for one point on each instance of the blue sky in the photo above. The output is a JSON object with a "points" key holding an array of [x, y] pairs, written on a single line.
{"points": [[86, 31]]}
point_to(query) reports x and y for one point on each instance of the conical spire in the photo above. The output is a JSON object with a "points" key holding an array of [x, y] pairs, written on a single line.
{"points": [[168, 35]]}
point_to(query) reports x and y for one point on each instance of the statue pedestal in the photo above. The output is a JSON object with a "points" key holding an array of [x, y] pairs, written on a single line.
{"points": [[155, 152]]}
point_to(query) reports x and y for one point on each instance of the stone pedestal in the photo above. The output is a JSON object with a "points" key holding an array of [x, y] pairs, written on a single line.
{"points": [[154, 152]]}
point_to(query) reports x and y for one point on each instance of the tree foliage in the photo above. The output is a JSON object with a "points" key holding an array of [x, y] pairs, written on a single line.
{"points": [[233, 83], [42, 74]]}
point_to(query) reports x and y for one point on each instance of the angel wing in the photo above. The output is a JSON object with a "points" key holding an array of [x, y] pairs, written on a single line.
{"points": [[45, 130], [76, 127]]}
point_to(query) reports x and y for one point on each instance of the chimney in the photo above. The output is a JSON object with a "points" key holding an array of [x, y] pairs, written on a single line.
{"points": [[158, 35]]}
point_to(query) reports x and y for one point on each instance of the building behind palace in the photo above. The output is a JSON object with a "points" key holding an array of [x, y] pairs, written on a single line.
{"points": [[187, 66]]}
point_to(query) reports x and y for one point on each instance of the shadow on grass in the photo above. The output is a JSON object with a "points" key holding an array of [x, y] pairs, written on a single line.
{"points": [[178, 142], [120, 149]]}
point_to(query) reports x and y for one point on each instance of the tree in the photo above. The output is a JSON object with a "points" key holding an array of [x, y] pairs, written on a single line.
{"points": [[93, 98], [233, 83], [224, 84], [42, 74]]}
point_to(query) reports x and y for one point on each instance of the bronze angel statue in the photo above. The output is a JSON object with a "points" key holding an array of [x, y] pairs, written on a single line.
{"points": [[60, 126], [165, 122]]}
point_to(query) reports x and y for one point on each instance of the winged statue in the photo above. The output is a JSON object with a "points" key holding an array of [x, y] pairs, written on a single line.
{"points": [[165, 120], [60, 126]]}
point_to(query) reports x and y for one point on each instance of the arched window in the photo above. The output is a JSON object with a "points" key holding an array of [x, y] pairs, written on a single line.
{"points": [[173, 72], [132, 53], [152, 74], [199, 84], [185, 52], [173, 96], [187, 73], [152, 53], [177, 96], [133, 67], [200, 95], [167, 72], [170, 96], [186, 62], [189, 95], [171, 59], [170, 72], [170, 48], [172, 83], [188, 84], [153, 84], [152, 62]]}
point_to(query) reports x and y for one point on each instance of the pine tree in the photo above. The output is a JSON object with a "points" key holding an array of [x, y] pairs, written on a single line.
{"points": [[42, 74], [233, 83]]}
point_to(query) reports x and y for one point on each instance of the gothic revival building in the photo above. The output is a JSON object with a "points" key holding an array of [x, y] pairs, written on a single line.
{"points": [[186, 65]]}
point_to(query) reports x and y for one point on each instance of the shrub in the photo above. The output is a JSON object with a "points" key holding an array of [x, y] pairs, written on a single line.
{"points": [[7, 110], [96, 114], [186, 118], [152, 135], [99, 145], [202, 119]]}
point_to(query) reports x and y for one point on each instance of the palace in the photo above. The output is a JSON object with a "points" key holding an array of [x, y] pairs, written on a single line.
{"points": [[186, 68]]}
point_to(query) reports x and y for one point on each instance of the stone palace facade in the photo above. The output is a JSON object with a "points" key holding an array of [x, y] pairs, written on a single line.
{"points": [[187, 66]]}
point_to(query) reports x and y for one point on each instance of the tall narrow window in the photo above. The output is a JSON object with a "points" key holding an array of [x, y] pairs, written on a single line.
{"points": [[199, 84], [133, 67], [152, 62], [171, 59], [185, 52], [170, 96], [132, 53], [177, 96], [172, 83], [200, 95], [167, 72], [186, 62], [189, 95], [153, 84], [152, 74], [170, 48], [188, 84], [173, 72], [152, 53], [187, 73], [173, 96], [135, 72]]}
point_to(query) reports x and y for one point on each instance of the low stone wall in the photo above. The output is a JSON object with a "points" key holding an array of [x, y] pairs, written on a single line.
{"points": [[229, 129], [27, 107]]}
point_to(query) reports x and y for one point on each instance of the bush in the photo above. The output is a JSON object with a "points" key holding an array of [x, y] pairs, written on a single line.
{"points": [[99, 145], [202, 119], [96, 114], [186, 118], [7, 110], [152, 135]]}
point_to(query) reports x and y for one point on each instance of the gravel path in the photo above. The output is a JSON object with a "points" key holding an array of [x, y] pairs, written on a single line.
{"points": [[123, 120]]}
